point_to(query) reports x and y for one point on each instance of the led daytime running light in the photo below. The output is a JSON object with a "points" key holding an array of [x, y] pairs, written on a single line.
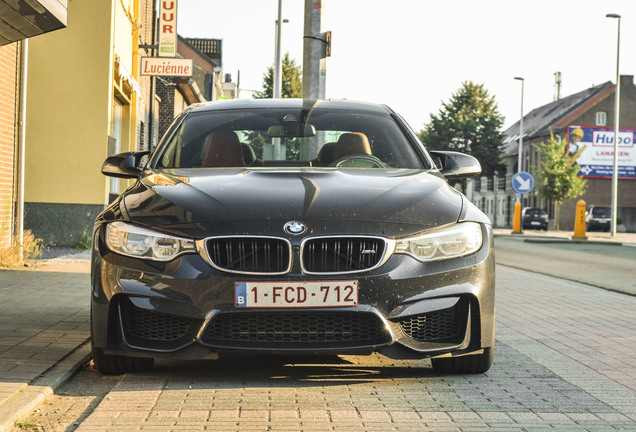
{"points": [[138, 242], [450, 242]]}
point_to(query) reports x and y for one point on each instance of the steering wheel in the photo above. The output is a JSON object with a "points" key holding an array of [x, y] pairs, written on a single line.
{"points": [[358, 160]]}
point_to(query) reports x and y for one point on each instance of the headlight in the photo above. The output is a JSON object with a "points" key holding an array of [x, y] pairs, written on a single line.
{"points": [[444, 243], [142, 243]]}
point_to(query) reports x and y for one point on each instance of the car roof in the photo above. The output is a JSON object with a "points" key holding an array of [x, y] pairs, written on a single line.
{"points": [[291, 104], [533, 209]]}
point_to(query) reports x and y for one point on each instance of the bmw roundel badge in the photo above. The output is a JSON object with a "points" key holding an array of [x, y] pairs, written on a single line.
{"points": [[295, 228]]}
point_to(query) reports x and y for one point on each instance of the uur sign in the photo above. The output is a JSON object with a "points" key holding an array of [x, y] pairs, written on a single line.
{"points": [[163, 66], [167, 28]]}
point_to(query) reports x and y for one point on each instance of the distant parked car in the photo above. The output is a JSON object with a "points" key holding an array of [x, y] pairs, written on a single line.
{"points": [[535, 218], [599, 218]]}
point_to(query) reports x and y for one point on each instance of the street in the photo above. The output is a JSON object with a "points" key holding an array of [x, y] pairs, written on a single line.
{"points": [[600, 264], [565, 359]]}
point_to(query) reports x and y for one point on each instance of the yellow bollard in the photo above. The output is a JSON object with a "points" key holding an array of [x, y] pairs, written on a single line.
{"points": [[516, 222], [579, 221]]}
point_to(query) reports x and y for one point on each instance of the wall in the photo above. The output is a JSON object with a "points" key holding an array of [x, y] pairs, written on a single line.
{"points": [[166, 92], [69, 109], [146, 115], [9, 70]]}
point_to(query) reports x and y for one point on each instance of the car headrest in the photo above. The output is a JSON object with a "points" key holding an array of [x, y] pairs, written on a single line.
{"points": [[223, 149], [351, 143]]}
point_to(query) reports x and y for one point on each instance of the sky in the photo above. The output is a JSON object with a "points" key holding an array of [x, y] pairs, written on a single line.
{"points": [[413, 55]]}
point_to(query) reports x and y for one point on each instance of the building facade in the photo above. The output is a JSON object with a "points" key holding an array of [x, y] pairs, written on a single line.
{"points": [[590, 108], [20, 19], [85, 100], [175, 94]]}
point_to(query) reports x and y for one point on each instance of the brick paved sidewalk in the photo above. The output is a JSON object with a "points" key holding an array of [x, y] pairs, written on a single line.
{"points": [[564, 360], [44, 317]]}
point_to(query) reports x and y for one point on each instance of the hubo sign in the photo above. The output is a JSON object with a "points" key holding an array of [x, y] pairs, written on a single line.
{"points": [[594, 153], [167, 28]]}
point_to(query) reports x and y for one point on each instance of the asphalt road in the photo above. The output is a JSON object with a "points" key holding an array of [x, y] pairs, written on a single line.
{"points": [[609, 266], [565, 359]]}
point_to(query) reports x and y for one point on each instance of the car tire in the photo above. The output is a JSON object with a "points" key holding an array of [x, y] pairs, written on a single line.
{"points": [[469, 364], [108, 364]]}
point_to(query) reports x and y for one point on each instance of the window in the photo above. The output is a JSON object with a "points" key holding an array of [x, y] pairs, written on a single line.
{"points": [[286, 137], [601, 118], [116, 135]]}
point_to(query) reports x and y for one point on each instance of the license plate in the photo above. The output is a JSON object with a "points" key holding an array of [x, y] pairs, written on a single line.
{"points": [[303, 294], [535, 223]]}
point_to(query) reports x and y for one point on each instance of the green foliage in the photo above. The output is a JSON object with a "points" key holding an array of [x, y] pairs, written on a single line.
{"points": [[84, 240], [557, 178], [469, 123], [25, 424], [292, 83]]}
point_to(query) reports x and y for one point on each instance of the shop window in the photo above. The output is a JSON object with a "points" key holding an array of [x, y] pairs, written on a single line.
{"points": [[114, 141]]}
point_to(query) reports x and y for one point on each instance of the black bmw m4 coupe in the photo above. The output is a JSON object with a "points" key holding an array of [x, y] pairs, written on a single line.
{"points": [[292, 227]]}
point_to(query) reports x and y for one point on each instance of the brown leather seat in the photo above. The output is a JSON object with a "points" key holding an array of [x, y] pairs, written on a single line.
{"points": [[325, 155], [223, 149], [351, 143]]}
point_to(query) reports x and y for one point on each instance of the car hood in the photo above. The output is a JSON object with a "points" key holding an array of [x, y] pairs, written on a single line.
{"points": [[233, 201]]}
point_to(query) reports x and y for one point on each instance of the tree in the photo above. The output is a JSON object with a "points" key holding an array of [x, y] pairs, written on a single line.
{"points": [[469, 123], [292, 83], [557, 174]]}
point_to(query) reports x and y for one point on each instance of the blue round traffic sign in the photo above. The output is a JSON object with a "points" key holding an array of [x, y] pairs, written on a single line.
{"points": [[522, 182]]}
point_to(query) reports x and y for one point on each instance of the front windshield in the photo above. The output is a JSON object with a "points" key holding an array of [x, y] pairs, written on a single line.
{"points": [[278, 137], [602, 212]]}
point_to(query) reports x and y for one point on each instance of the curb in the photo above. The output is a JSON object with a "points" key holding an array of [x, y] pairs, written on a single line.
{"points": [[24, 401], [569, 238], [572, 240]]}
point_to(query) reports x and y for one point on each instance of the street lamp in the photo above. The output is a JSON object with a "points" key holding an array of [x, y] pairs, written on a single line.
{"points": [[277, 84], [616, 122], [520, 127], [516, 224]]}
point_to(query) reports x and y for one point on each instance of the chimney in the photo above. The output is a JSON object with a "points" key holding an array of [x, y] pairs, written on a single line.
{"points": [[627, 80]]}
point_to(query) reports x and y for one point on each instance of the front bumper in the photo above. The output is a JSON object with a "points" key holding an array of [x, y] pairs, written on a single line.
{"points": [[185, 309], [599, 224]]}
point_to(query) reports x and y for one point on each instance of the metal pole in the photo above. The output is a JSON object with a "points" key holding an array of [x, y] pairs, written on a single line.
{"points": [[23, 114], [314, 67], [278, 69], [519, 157], [617, 97]]}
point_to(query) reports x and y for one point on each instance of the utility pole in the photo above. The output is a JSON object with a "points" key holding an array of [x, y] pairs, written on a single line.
{"points": [[278, 70], [314, 61]]}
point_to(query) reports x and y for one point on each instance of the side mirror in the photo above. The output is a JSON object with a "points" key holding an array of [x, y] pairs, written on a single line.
{"points": [[123, 165], [454, 164]]}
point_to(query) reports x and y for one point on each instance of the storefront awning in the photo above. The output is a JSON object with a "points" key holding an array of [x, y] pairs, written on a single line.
{"points": [[190, 90], [21, 19]]}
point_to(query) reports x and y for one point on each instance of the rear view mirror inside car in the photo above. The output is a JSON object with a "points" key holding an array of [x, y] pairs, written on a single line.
{"points": [[291, 130]]}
